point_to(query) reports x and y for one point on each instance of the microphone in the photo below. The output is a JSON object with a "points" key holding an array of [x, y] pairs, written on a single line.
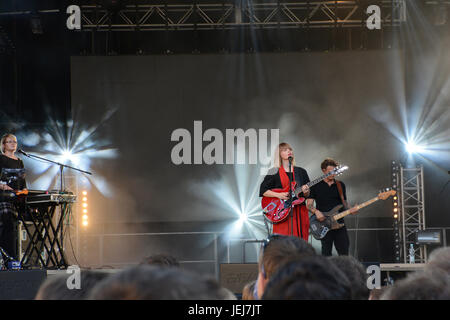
{"points": [[290, 159], [22, 152]]}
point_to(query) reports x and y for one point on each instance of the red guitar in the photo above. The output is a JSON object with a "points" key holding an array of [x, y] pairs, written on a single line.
{"points": [[276, 210]]}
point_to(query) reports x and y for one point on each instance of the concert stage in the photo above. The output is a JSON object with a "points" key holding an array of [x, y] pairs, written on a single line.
{"points": [[155, 128]]}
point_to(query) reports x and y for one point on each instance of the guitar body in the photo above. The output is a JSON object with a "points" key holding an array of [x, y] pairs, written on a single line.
{"points": [[320, 229], [276, 210]]}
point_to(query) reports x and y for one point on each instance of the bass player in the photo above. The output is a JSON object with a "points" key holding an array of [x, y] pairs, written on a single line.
{"points": [[327, 194]]}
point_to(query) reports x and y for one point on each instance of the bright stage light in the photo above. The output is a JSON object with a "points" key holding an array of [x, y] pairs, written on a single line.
{"points": [[85, 223], [67, 156], [237, 194], [243, 217], [412, 147], [73, 144]]}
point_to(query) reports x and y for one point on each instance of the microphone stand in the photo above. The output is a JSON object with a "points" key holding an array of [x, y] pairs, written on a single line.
{"points": [[61, 166], [291, 212]]}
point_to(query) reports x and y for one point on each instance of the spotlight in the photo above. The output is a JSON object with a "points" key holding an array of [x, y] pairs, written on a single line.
{"points": [[395, 216], [395, 209], [36, 24], [85, 223], [412, 147], [67, 155], [84, 193]]}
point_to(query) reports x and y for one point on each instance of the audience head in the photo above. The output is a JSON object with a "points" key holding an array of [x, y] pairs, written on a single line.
{"points": [[274, 253], [55, 287], [308, 278], [423, 285], [355, 273], [439, 259], [145, 282], [161, 260], [375, 294], [248, 291]]}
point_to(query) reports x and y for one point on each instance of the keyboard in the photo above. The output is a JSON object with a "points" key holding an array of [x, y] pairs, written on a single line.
{"points": [[51, 197]]}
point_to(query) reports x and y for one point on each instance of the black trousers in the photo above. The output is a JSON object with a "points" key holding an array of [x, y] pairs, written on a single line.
{"points": [[339, 238], [8, 229]]}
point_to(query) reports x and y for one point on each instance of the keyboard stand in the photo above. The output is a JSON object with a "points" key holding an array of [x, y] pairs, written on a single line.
{"points": [[46, 240]]}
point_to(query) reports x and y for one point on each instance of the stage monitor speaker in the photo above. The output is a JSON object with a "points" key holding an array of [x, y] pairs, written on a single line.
{"points": [[20, 285], [234, 276]]}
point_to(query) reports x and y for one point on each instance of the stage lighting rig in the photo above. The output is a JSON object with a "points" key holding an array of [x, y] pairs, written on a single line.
{"points": [[395, 208], [84, 217], [113, 6]]}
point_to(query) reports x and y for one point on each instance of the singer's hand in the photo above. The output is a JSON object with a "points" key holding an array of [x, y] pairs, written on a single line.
{"points": [[6, 187], [283, 195]]}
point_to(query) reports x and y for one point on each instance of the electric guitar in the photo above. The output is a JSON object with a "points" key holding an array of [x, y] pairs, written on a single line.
{"points": [[319, 229], [276, 210]]}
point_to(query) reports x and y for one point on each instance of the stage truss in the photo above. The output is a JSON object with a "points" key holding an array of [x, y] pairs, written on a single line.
{"points": [[201, 15], [411, 218]]}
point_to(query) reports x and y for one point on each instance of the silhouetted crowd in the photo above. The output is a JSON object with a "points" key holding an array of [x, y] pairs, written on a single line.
{"points": [[288, 269]]}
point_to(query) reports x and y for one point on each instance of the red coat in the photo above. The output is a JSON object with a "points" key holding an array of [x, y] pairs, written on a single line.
{"points": [[300, 227]]}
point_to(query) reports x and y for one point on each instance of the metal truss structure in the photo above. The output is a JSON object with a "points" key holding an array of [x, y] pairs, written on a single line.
{"points": [[411, 205], [220, 15]]}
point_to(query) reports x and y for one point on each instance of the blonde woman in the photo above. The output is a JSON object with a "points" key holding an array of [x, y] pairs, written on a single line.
{"points": [[278, 178], [8, 159]]}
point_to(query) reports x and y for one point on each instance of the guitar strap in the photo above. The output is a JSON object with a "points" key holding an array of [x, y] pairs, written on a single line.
{"points": [[341, 194]]}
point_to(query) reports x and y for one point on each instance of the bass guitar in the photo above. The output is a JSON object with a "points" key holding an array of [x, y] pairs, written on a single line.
{"points": [[319, 229], [276, 210]]}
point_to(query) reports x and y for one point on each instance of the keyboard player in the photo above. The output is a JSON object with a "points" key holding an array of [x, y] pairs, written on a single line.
{"points": [[8, 214]]}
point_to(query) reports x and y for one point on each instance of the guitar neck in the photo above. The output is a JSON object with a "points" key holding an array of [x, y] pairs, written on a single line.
{"points": [[359, 206], [314, 182]]}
